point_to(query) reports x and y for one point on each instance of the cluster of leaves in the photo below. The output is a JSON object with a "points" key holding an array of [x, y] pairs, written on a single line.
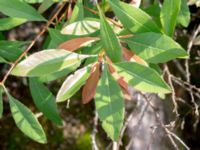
{"points": [[110, 56]]}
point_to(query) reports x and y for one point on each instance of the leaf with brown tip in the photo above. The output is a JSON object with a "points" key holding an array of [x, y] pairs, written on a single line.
{"points": [[131, 56], [89, 89], [77, 43], [123, 84]]}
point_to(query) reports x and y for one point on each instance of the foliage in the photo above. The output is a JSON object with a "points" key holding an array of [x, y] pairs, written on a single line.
{"points": [[109, 55]]}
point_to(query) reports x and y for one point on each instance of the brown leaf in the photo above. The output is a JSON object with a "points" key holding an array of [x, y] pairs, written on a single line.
{"points": [[123, 84], [77, 43], [131, 56], [90, 86]]}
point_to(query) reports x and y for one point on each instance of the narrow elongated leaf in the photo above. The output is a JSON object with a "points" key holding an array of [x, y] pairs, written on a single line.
{"points": [[168, 15], [90, 86], [11, 50], [110, 40], [26, 121], [155, 47], [82, 27], [59, 74], [9, 23], [72, 84], [44, 100], [109, 104], [1, 102], [15, 8], [133, 19], [142, 77], [78, 12], [184, 14], [46, 62], [77, 43]]}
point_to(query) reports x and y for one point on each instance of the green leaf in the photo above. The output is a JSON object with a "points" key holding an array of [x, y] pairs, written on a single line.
{"points": [[32, 1], [78, 12], [133, 19], [56, 38], [168, 15], [45, 5], [1, 101], [184, 14], [26, 121], [73, 83], [142, 78], [9, 23], [44, 100], [59, 74], [47, 61], [2, 60], [109, 104], [11, 50], [2, 36], [154, 11], [110, 40], [83, 27], [15, 8], [155, 47]]}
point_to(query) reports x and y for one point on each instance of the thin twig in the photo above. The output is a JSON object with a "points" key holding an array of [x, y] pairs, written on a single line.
{"points": [[93, 135], [177, 138], [169, 75], [188, 75], [32, 44], [160, 122], [187, 86]]}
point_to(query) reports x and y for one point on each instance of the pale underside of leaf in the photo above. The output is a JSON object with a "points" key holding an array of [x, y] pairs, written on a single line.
{"points": [[82, 27], [73, 83], [46, 62]]}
